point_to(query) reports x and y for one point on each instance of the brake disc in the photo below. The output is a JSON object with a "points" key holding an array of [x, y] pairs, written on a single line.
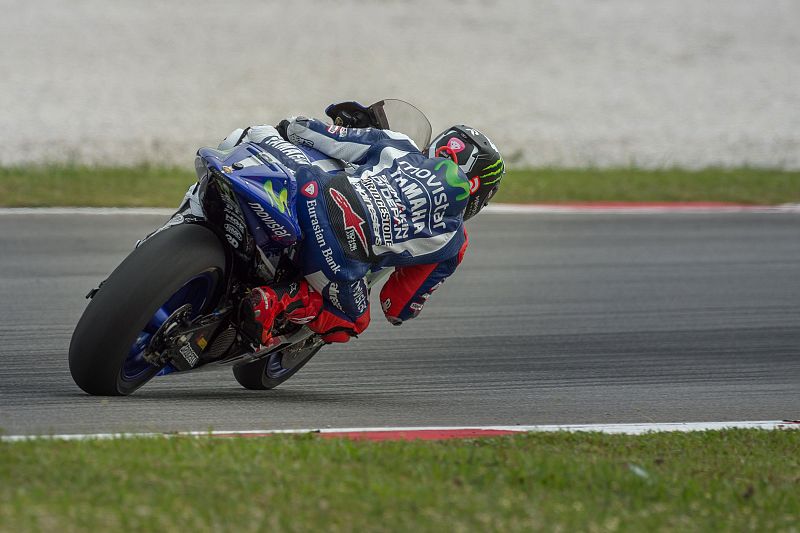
{"points": [[167, 336]]}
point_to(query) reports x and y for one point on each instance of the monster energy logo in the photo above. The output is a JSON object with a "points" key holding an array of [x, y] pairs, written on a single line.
{"points": [[278, 200], [495, 169], [453, 178]]}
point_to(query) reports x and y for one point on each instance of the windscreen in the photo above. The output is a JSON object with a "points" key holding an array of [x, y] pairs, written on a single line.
{"points": [[400, 116]]}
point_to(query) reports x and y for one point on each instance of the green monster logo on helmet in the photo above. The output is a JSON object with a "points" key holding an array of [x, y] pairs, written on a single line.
{"points": [[496, 169]]}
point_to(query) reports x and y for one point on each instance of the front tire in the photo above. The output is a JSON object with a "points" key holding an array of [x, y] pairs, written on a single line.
{"points": [[276, 368], [183, 264]]}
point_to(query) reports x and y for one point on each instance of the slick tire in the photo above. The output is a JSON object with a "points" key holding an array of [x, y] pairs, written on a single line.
{"points": [[129, 298], [271, 371]]}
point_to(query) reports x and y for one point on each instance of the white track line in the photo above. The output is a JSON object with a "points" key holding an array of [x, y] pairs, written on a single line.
{"points": [[86, 211], [627, 429], [510, 209]]}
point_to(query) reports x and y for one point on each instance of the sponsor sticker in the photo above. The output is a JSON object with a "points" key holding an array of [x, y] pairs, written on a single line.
{"points": [[189, 354], [425, 194], [280, 199], [310, 190], [360, 297], [301, 141], [333, 295], [474, 184], [327, 252], [233, 230], [278, 230], [353, 224], [340, 130], [380, 199], [287, 148], [456, 144], [234, 220]]}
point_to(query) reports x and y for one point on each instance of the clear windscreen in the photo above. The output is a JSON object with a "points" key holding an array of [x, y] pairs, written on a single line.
{"points": [[400, 116]]}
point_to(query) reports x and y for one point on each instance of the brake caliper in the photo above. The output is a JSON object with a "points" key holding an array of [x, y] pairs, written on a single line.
{"points": [[169, 345]]}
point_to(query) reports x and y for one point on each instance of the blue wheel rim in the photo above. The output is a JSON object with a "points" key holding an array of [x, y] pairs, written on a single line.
{"points": [[196, 292], [275, 369]]}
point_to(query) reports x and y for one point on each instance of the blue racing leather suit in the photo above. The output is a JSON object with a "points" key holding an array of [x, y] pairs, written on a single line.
{"points": [[398, 208]]}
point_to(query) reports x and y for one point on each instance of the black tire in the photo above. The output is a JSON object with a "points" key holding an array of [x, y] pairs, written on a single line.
{"points": [[258, 376], [129, 298]]}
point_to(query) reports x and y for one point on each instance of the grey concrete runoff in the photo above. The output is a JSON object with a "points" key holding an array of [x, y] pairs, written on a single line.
{"points": [[553, 82], [551, 319]]}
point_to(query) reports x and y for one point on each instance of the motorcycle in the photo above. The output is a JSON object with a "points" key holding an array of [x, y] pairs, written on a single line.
{"points": [[172, 305]]}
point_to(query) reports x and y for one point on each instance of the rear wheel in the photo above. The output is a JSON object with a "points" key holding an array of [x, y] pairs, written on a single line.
{"points": [[276, 368], [182, 265]]}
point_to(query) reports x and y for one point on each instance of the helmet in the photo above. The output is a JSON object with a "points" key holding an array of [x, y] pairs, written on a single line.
{"points": [[477, 157]]}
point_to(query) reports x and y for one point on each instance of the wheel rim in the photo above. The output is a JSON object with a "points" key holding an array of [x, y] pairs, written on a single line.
{"points": [[196, 292], [275, 368]]}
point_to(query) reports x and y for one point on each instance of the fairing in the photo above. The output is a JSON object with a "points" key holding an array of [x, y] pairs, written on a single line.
{"points": [[264, 188]]}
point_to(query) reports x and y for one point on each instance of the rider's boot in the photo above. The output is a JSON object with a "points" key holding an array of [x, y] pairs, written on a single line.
{"points": [[297, 300]]}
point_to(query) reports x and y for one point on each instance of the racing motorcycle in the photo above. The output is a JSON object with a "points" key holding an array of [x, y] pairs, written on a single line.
{"points": [[173, 304]]}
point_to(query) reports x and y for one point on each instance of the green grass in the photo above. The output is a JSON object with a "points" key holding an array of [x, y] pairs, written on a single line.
{"points": [[733, 480], [156, 186], [738, 185], [72, 185]]}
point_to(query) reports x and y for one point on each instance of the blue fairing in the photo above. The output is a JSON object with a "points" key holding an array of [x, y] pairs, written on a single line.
{"points": [[266, 192]]}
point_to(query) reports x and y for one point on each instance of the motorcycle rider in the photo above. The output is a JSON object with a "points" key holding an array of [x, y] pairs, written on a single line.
{"points": [[401, 208]]}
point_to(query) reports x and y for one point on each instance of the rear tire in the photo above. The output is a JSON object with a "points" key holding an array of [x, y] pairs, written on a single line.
{"points": [[271, 371], [161, 270]]}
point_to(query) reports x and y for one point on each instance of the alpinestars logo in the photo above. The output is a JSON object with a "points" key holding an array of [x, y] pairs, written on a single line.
{"points": [[353, 224]]}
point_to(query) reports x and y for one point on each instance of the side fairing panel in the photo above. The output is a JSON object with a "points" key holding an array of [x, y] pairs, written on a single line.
{"points": [[266, 191]]}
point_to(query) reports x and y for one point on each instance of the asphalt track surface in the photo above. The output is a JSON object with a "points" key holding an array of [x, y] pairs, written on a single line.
{"points": [[551, 319]]}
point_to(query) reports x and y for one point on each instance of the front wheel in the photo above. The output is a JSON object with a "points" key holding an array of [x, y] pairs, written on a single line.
{"points": [[182, 265], [276, 368]]}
